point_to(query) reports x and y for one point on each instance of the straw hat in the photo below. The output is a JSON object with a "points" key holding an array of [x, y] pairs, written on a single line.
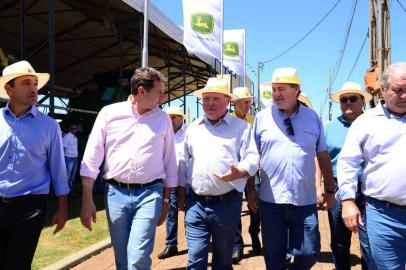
{"points": [[303, 98], [173, 110], [351, 88], [215, 85], [18, 69], [286, 75], [242, 92]]}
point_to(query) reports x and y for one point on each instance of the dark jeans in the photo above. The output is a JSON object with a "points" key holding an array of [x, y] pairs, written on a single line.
{"points": [[341, 236], [172, 220], [20, 227]]}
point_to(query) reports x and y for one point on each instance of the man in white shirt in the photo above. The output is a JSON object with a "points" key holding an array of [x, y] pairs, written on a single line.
{"points": [[219, 156], [179, 128], [70, 148], [135, 139], [375, 146]]}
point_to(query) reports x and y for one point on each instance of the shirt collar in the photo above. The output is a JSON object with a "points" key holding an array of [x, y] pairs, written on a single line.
{"points": [[343, 121], [381, 110], [227, 118], [32, 111], [135, 112], [281, 113]]}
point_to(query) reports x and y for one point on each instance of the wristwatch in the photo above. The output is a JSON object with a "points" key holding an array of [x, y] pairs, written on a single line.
{"points": [[166, 200]]}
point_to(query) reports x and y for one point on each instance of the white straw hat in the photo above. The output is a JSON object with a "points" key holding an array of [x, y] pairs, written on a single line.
{"points": [[18, 69], [173, 110], [286, 75], [242, 92], [351, 88], [215, 85]]}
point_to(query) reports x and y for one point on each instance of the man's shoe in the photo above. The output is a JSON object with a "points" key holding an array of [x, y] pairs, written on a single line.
{"points": [[256, 244], [168, 252], [237, 255]]}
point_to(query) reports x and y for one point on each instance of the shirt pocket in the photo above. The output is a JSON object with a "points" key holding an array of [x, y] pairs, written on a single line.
{"points": [[308, 140]]}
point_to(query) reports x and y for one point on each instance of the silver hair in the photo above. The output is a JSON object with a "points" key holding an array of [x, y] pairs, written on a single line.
{"points": [[397, 67]]}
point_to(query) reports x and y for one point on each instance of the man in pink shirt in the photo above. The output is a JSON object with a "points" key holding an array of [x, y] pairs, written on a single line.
{"points": [[135, 138]]}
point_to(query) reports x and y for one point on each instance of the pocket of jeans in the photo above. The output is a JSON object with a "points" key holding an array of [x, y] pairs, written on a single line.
{"points": [[110, 190]]}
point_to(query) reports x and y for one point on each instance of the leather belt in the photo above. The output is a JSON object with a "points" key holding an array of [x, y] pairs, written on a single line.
{"points": [[22, 198], [132, 185], [215, 198], [389, 204]]}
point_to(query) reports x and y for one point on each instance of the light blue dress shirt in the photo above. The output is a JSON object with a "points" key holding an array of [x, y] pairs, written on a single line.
{"points": [[31, 154], [212, 148], [288, 162], [378, 139]]}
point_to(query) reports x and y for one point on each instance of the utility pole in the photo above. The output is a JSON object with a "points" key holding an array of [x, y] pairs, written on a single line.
{"points": [[330, 103], [260, 65]]}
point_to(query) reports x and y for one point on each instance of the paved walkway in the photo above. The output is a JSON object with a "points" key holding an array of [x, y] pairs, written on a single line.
{"points": [[105, 260]]}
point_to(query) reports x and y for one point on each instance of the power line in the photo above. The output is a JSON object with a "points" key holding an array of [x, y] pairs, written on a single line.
{"points": [[400, 4], [302, 38], [359, 53], [342, 51]]}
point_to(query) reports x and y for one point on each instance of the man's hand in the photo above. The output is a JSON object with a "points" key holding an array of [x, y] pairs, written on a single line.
{"points": [[351, 215], [232, 174], [321, 203], [163, 213], [181, 198], [88, 213], [329, 199], [252, 200], [61, 215]]}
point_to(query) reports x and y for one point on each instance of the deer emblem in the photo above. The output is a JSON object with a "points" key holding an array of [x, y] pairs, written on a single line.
{"points": [[201, 24]]}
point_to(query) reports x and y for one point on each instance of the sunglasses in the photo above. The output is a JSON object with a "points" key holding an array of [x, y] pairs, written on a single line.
{"points": [[352, 99], [289, 127]]}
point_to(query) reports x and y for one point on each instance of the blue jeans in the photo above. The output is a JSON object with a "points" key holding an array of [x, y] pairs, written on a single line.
{"points": [[299, 224], [71, 167], [211, 219], [132, 215], [341, 236], [172, 220], [386, 227]]}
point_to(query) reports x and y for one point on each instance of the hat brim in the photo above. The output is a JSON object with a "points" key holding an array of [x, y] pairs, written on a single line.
{"points": [[336, 96], [199, 93], [306, 101], [43, 79], [238, 98]]}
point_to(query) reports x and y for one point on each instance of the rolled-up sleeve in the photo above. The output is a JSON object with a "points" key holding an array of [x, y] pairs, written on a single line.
{"points": [[249, 153], [170, 157], [349, 164], [94, 153], [56, 163]]}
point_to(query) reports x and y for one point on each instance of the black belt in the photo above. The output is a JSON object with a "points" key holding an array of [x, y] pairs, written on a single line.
{"points": [[389, 204], [22, 198], [215, 198], [132, 185]]}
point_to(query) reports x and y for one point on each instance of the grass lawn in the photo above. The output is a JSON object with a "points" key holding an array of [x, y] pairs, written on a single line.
{"points": [[74, 237]]}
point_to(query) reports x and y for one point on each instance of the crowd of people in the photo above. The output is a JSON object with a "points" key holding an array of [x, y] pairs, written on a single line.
{"points": [[285, 160]]}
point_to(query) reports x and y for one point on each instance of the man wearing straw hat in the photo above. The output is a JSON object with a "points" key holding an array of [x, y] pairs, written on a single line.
{"points": [[219, 156], [179, 129], [135, 139], [31, 158], [352, 100], [288, 137], [242, 105], [375, 148]]}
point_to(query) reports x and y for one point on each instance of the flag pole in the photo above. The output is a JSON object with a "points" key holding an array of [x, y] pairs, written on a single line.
{"points": [[222, 38], [245, 56], [145, 36]]}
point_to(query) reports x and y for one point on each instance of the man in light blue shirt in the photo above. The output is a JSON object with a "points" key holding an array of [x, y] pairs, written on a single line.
{"points": [[288, 136], [375, 146], [31, 157]]}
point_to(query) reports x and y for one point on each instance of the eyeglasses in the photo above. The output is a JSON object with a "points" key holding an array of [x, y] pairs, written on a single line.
{"points": [[289, 127], [352, 99]]}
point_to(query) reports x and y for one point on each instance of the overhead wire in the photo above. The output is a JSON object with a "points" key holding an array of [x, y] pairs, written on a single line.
{"points": [[400, 4], [359, 53], [342, 51], [304, 36]]}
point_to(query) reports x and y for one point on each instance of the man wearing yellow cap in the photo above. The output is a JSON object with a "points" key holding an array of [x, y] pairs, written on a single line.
{"points": [[288, 136], [242, 105], [179, 129], [31, 157], [219, 156]]}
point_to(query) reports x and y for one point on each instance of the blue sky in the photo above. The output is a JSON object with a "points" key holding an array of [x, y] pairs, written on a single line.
{"points": [[272, 26]]}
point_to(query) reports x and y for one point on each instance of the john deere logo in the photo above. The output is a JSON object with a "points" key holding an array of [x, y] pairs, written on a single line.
{"points": [[231, 48], [267, 94], [202, 23]]}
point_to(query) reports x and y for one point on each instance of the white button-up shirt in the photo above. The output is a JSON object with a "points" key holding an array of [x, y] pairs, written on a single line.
{"points": [[70, 145], [378, 139], [212, 148], [137, 148]]}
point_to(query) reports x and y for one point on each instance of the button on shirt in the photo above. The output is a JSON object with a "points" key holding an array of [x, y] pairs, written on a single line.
{"points": [[70, 145], [137, 148], [212, 148], [31, 154], [378, 139], [287, 162]]}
